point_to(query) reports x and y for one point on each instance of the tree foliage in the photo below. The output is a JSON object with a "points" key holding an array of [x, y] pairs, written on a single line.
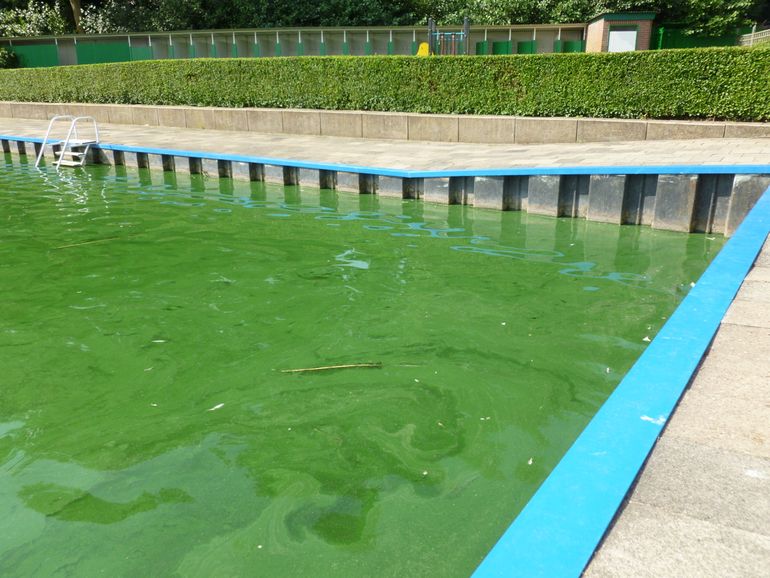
{"points": [[35, 17]]}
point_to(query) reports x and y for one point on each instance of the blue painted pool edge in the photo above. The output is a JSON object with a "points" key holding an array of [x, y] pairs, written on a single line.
{"points": [[415, 174], [559, 529]]}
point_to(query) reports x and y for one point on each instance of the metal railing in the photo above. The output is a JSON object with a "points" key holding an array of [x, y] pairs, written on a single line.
{"points": [[71, 140], [757, 37]]}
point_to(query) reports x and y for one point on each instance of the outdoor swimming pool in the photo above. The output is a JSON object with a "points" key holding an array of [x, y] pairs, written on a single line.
{"points": [[147, 427]]}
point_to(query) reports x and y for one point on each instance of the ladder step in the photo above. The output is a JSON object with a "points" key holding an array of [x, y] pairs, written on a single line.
{"points": [[66, 163], [69, 153]]}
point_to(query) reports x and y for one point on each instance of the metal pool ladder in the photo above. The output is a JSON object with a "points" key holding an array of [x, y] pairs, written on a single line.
{"points": [[66, 155]]}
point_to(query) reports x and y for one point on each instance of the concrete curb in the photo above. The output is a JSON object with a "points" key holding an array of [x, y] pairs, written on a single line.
{"points": [[393, 125]]}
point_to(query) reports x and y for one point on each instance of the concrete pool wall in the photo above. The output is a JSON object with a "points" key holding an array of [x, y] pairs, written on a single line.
{"points": [[687, 198]]}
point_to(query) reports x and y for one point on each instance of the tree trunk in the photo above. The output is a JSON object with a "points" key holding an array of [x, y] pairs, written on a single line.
{"points": [[75, 4]]}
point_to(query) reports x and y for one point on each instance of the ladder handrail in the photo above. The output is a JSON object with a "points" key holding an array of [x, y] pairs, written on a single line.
{"points": [[72, 129], [48, 133], [93, 122]]}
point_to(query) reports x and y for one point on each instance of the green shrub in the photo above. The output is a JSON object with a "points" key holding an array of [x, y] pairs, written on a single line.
{"points": [[8, 59], [715, 83]]}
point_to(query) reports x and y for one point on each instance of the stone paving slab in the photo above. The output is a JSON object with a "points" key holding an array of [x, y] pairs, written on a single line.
{"points": [[758, 291], [746, 313], [648, 541], [725, 422], [691, 478], [411, 155], [733, 368]]}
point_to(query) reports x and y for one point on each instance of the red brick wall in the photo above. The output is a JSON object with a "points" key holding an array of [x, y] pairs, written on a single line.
{"points": [[598, 34]]}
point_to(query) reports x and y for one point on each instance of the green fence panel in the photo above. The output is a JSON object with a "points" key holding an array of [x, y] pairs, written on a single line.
{"points": [[142, 53], [234, 50], [526, 47], [674, 37], [368, 48], [558, 46], [278, 49], [391, 48], [255, 50], [415, 47], [300, 49], [36, 55], [96, 52], [574, 46], [213, 50], [322, 49], [502, 47], [346, 48], [482, 47]]}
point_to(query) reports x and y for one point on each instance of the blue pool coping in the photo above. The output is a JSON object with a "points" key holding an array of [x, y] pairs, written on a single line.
{"points": [[747, 169], [561, 526]]}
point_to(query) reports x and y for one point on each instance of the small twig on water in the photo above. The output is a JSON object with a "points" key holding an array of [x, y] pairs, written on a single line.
{"points": [[327, 367], [87, 243]]}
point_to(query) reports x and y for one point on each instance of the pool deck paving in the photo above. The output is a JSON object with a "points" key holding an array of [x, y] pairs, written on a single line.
{"points": [[413, 155], [701, 506]]}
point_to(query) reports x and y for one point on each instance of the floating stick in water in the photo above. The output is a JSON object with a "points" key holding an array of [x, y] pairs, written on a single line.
{"points": [[327, 367], [87, 243]]}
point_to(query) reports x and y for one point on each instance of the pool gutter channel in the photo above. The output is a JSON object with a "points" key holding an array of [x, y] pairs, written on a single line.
{"points": [[687, 198]]}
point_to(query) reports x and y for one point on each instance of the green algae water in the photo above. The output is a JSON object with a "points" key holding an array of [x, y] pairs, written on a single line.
{"points": [[147, 425]]}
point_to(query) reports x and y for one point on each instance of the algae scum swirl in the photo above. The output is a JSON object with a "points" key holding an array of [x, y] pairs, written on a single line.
{"points": [[147, 425]]}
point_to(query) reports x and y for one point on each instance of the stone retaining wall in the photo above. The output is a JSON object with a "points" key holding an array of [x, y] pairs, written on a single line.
{"points": [[386, 125]]}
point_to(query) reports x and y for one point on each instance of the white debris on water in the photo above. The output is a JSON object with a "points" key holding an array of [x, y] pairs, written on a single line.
{"points": [[216, 407], [647, 338], [531, 461]]}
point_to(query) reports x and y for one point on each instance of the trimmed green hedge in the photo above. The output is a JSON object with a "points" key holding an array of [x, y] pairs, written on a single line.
{"points": [[8, 59], [718, 83]]}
